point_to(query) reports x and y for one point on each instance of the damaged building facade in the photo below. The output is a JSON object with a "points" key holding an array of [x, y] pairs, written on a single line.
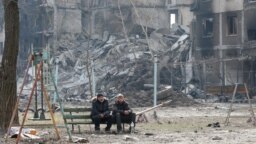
{"points": [[222, 33], [100, 16], [105, 15], [179, 12], [224, 38]]}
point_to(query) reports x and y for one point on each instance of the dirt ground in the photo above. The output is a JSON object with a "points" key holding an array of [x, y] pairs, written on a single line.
{"points": [[175, 125]]}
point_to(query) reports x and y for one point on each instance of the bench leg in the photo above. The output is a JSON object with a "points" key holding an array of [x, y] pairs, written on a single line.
{"points": [[72, 128], [90, 128], [79, 129]]}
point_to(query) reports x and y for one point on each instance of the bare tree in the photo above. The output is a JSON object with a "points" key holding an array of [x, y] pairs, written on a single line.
{"points": [[88, 56], [8, 85]]}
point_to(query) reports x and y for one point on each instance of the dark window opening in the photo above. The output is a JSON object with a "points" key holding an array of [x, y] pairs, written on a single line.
{"points": [[1, 27], [232, 25], [251, 34], [1, 47], [208, 27]]}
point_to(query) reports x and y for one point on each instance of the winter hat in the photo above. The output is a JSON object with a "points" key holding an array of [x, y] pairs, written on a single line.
{"points": [[119, 95], [99, 95]]}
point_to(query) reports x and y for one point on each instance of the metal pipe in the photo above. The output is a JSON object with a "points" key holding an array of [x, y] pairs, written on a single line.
{"points": [[56, 78], [155, 79], [93, 79], [42, 115]]}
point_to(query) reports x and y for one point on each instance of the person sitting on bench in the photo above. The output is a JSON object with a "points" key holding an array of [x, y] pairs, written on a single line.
{"points": [[122, 113], [100, 113]]}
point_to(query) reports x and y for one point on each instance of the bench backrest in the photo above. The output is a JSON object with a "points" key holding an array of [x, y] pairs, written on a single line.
{"points": [[77, 115]]}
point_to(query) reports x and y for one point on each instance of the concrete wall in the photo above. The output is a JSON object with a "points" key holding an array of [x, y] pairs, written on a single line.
{"points": [[207, 43], [140, 3], [171, 3], [231, 39], [67, 4], [227, 5], [186, 16], [227, 8], [69, 16], [182, 8], [106, 15], [152, 17], [250, 23], [217, 6]]}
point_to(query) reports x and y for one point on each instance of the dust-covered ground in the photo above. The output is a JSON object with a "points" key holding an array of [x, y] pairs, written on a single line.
{"points": [[175, 125]]}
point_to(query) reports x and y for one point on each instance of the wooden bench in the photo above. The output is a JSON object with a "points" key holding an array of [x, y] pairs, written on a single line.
{"points": [[78, 116]]}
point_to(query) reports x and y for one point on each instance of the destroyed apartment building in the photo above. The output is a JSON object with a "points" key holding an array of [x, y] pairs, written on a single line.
{"points": [[120, 36], [201, 44], [224, 38]]}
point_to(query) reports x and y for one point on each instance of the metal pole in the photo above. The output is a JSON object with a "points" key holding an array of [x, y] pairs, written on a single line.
{"points": [[36, 75], [42, 115], [93, 80], [155, 79], [56, 78], [60, 103]]}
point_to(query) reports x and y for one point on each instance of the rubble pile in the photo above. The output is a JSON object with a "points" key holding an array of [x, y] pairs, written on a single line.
{"points": [[123, 65]]}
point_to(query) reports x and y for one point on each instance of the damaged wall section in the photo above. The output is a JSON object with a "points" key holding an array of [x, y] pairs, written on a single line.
{"points": [[226, 31], [207, 34], [232, 28], [69, 16], [106, 16]]}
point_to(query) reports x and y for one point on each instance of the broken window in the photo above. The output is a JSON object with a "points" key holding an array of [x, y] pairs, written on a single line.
{"points": [[207, 27], [232, 25], [172, 19], [251, 34], [1, 47]]}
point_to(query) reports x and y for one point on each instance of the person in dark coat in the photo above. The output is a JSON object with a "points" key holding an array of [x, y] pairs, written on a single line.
{"points": [[122, 113], [100, 113]]}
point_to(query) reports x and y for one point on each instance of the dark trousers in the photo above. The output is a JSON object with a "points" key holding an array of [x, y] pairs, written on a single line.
{"points": [[97, 121], [121, 118]]}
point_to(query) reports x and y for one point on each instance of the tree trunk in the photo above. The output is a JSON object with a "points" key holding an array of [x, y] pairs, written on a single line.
{"points": [[8, 86]]}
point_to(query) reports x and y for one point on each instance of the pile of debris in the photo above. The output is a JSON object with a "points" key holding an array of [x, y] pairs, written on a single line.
{"points": [[123, 65], [145, 98]]}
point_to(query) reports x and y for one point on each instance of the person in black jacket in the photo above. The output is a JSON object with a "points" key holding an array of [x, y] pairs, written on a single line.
{"points": [[122, 113], [101, 113]]}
